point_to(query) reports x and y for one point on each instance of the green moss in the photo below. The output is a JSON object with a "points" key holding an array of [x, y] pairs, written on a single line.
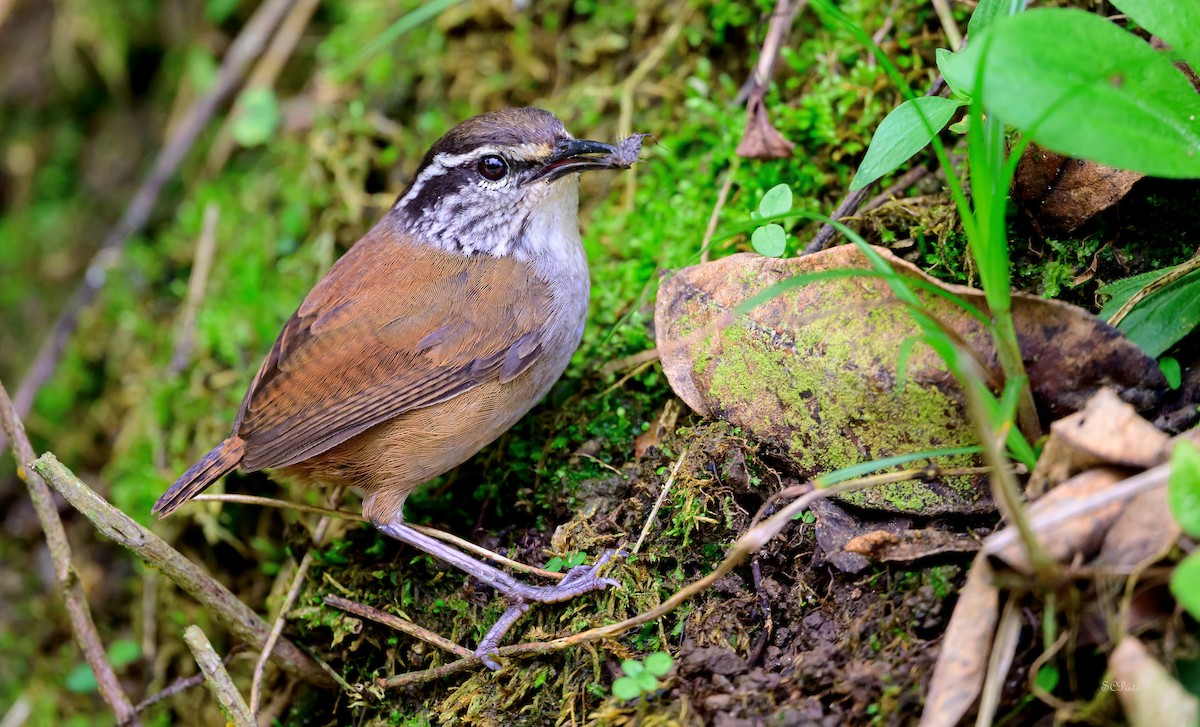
{"points": [[818, 397]]}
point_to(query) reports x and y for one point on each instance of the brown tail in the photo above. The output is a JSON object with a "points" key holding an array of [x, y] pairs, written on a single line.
{"points": [[223, 459]]}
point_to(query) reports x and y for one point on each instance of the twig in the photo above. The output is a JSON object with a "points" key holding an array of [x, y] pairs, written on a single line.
{"points": [[743, 547], [236, 616], [621, 381], [69, 584], [722, 197], [635, 78], [849, 204], [260, 667], [1043, 522], [197, 282], [631, 361], [397, 623], [953, 35], [241, 52], [264, 74], [906, 180], [782, 16], [825, 235], [176, 687], [17, 714], [662, 496], [232, 704], [764, 605], [347, 515]]}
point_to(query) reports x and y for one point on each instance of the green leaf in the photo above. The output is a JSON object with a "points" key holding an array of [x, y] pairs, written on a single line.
{"points": [[1079, 85], [1183, 487], [1047, 677], [777, 201], [987, 11], [646, 681], [902, 134], [81, 680], [1185, 584], [576, 559], [1163, 318], [626, 688], [218, 11], [631, 667], [123, 652], [769, 240], [1171, 371], [959, 73], [1175, 21], [658, 663], [1124, 289], [257, 117], [554, 565]]}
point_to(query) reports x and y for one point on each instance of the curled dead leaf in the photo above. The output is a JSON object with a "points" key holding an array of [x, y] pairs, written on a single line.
{"points": [[1062, 193], [761, 140], [963, 654], [1107, 431], [1148, 693], [1144, 533], [910, 545]]}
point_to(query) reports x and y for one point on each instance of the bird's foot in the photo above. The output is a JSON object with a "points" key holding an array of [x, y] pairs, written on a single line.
{"points": [[579, 580]]}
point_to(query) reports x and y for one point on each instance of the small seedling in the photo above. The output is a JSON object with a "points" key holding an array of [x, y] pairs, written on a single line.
{"points": [[556, 564], [771, 239], [641, 677]]}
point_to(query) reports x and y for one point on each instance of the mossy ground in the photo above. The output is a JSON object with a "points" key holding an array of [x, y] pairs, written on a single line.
{"points": [[79, 124]]}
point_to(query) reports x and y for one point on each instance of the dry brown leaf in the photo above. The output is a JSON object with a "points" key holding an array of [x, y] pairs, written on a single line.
{"points": [[909, 545], [1061, 193], [836, 527], [1105, 432], [1081, 534], [1149, 694], [1143, 534], [761, 140], [963, 655], [812, 372]]}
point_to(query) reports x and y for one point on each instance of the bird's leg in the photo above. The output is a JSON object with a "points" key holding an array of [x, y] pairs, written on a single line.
{"points": [[581, 579]]}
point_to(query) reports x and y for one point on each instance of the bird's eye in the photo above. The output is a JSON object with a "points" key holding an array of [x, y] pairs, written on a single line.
{"points": [[493, 168]]}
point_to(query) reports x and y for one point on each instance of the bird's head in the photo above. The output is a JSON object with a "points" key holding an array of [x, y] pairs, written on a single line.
{"points": [[494, 180]]}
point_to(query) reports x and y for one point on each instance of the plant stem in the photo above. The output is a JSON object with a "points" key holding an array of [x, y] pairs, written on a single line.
{"points": [[239, 618]]}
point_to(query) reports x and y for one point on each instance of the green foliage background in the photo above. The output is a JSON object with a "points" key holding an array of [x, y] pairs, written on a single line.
{"points": [[86, 92]]}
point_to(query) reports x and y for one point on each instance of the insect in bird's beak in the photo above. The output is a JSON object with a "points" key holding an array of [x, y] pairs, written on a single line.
{"points": [[581, 155]]}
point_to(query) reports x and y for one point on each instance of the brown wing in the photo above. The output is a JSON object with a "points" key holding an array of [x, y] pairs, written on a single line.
{"points": [[392, 327]]}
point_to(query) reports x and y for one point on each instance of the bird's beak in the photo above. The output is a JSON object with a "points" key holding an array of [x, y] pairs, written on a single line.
{"points": [[579, 155]]}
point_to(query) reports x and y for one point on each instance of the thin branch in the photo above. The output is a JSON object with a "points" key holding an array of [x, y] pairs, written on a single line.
{"points": [[652, 60], [850, 203], [901, 185], [69, 584], [662, 496], [824, 236], [232, 705], [722, 197], [748, 544], [397, 623], [264, 74], [197, 282], [236, 616], [260, 667], [244, 49]]}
